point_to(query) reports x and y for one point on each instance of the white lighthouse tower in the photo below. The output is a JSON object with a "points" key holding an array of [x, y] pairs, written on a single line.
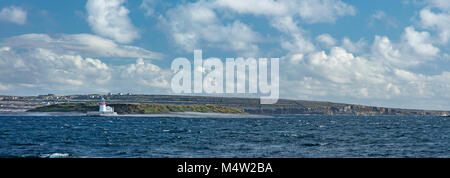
{"points": [[103, 107], [103, 110]]}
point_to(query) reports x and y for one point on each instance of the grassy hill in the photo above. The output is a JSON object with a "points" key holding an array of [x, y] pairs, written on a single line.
{"points": [[135, 108]]}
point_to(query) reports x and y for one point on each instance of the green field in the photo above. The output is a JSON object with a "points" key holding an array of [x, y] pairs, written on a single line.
{"points": [[134, 108]]}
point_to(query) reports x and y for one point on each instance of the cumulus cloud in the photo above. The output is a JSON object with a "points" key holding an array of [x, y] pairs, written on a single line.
{"points": [[436, 16], [13, 14], [295, 42], [42, 70], [346, 77], [341, 66], [192, 23], [326, 40], [358, 47], [67, 64], [86, 44], [415, 48], [371, 74], [420, 42], [196, 25], [439, 22], [384, 50], [144, 75], [109, 18]]}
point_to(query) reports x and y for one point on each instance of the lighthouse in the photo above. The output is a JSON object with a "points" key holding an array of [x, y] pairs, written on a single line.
{"points": [[103, 110], [103, 107]]}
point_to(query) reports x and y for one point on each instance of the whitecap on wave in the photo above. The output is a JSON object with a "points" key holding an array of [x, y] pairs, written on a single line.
{"points": [[55, 155]]}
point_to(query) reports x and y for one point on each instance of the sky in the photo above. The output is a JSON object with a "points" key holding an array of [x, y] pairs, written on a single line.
{"points": [[380, 53]]}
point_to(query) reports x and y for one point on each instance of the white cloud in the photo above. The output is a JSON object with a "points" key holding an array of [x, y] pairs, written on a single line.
{"points": [[323, 10], [257, 7], [358, 47], [149, 6], [420, 42], [326, 39], [42, 70], [384, 50], [343, 67], [383, 17], [341, 76], [436, 16], [295, 42], [4, 87], [143, 75], [414, 49], [379, 15], [199, 24], [405, 75], [442, 4], [313, 11], [66, 64], [436, 21], [13, 14], [86, 44], [196, 25], [109, 18], [282, 14]]}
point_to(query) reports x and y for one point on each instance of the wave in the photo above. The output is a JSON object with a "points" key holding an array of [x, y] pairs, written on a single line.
{"points": [[55, 155]]}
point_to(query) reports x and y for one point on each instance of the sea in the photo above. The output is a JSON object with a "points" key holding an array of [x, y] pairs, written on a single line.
{"points": [[278, 136]]}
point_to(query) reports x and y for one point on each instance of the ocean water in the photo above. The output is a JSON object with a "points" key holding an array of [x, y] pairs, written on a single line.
{"points": [[298, 136]]}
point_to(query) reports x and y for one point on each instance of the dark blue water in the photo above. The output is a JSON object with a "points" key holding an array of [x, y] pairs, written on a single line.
{"points": [[284, 136]]}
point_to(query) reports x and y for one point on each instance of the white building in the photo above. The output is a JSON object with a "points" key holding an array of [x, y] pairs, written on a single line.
{"points": [[103, 110]]}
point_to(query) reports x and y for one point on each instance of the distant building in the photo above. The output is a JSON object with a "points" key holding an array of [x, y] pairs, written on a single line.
{"points": [[347, 108]]}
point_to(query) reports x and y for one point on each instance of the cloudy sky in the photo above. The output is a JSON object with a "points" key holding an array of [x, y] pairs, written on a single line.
{"points": [[382, 53]]}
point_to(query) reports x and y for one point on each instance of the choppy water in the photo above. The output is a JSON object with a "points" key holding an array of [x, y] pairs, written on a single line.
{"points": [[282, 136]]}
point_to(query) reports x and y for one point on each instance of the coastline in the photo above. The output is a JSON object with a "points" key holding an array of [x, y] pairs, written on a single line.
{"points": [[165, 103]]}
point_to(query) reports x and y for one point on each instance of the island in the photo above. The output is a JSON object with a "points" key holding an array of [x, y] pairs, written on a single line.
{"points": [[125, 103]]}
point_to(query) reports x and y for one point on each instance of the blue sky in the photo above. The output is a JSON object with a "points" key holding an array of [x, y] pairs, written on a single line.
{"points": [[383, 53]]}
